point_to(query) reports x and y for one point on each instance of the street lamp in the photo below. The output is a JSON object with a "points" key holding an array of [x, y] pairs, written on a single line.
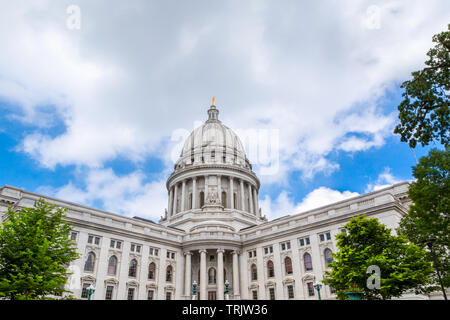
{"points": [[90, 291], [318, 286], [194, 290], [227, 291], [429, 243]]}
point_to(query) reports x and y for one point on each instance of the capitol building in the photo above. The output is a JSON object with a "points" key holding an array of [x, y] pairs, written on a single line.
{"points": [[212, 234]]}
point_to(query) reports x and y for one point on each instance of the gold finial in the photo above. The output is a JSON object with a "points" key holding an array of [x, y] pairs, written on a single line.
{"points": [[213, 99]]}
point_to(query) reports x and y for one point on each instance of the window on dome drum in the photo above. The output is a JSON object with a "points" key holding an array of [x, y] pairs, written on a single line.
{"points": [[212, 276], [255, 294], [90, 262], [307, 261], [112, 265], [270, 269], [288, 265], [151, 271], [254, 272], [133, 268], [202, 199], [109, 292], [169, 272], [272, 293], [130, 295], [150, 295], [290, 290], [235, 201], [310, 289], [224, 199], [190, 201], [328, 257]]}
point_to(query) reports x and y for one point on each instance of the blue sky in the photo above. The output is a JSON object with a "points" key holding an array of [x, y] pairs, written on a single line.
{"points": [[97, 114]]}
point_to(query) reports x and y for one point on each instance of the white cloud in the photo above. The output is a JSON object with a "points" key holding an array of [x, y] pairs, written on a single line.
{"points": [[128, 194], [385, 179], [284, 205]]}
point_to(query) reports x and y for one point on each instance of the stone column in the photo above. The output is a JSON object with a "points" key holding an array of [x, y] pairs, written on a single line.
{"points": [[183, 195], [169, 209], [220, 279], [219, 189], [194, 193], [187, 275], [236, 282], [203, 275], [174, 212], [250, 198], [242, 196], [255, 200], [231, 194], [206, 188]]}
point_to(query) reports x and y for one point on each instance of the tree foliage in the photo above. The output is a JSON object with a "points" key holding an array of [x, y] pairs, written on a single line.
{"points": [[424, 112], [367, 242], [429, 215], [35, 250]]}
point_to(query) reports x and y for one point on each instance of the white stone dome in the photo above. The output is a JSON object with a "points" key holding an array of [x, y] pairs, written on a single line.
{"points": [[213, 143]]}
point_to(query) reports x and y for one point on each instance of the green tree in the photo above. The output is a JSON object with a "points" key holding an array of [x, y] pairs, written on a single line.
{"points": [[424, 112], [35, 251], [367, 242], [429, 215]]}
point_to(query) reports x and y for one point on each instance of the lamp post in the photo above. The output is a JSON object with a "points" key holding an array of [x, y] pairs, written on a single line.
{"points": [[90, 291], [429, 243], [194, 290], [227, 291], [318, 286]]}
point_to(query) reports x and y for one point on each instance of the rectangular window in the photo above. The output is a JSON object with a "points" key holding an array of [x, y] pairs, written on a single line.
{"points": [[109, 292], [322, 237], [343, 230], [288, 245], [310, 289], [290, 290], [138, 249], [73, 236], [302, 242], [118, 244], [307, 241], [130, 295], [168, 295], [150, 295], [332, 290], [328, 236], [249, 254], [266, 250], [168, 255], [132, 248], [283, 246], [150, 251], [112, 244], [272, 293], [90, 239], [254, 253], [97, 240], [84, 293], [255, 294], [173, 255]]}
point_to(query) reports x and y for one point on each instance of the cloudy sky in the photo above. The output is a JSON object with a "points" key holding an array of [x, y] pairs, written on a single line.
{"points": [[97, 96]]}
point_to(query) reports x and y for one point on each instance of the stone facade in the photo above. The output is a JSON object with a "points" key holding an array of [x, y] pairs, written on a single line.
{"points": [[212, 232]]}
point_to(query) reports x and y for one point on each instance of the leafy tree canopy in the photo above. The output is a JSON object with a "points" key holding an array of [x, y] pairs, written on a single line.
{"points": [[429, 215], [35, 250], [424, 112], [403, 266]]}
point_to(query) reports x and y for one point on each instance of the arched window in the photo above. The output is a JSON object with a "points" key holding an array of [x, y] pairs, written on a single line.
{"points": [[212, 276], [254, 272], [270, 269], [224, 199], [90, 262], [202, 199], [307, 261], [288, 265], [327, 255], [169, 272], [151, 271], [133, 268], [112, 265]]}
